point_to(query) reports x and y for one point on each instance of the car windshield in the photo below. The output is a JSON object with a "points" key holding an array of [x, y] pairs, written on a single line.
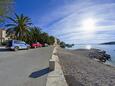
{"points": [[19, 42], [22, 42]]}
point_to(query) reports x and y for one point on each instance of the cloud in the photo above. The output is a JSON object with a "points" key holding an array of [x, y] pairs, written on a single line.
{"points": [[64, 21], [68, 28]]}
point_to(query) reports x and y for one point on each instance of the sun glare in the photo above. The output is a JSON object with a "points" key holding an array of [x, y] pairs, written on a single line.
{"points": [[89, 25], [88, 47]]}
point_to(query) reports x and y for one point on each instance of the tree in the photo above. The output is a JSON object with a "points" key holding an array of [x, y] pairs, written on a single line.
{"points": [[44, 37], [62, 44], [51, 40], [5, 8], [34, 35], [58, 41], [19, 27]]}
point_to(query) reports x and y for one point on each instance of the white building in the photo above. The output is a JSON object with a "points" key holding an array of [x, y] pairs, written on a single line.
{"points": [[3, 35]]}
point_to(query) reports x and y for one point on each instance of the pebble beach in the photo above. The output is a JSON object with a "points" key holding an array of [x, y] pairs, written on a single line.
{"points": [[80, 70]]}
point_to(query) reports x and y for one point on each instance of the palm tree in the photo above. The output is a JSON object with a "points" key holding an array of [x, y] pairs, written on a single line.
{"points": [[51, 40], [19, 27], [34, 35], [44, 37]]}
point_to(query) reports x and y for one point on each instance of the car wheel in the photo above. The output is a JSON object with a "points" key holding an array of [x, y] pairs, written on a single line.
{"points": [[28, 48], [16, 48]]}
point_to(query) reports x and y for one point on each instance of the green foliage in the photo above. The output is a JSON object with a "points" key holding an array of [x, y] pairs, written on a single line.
{"points": [[33, 35], [44, 37], [5, 8], [36, 35], [64, 45], [69, 45], [19, 27], [58, 41], [4, 43], [51, 40]]}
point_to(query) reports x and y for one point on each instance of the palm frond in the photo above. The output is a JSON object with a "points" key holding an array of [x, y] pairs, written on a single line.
{"points": [[11, 19], [10, 25], [20, 26], [17, 16]]}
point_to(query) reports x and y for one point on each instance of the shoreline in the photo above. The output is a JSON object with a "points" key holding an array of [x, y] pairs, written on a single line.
{"points": [[108, 63], [79, 70]]}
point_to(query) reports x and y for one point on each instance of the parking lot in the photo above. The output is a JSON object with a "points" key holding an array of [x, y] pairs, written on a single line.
{"points": [[24, 67]]}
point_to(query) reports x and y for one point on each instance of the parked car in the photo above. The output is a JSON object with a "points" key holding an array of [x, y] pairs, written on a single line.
{"points": [[36, 45], [17, 44], [45, 45]]}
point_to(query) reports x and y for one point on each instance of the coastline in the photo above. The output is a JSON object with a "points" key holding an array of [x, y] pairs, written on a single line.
{"points": [[107, 48], [79, 70], [108, 63]]}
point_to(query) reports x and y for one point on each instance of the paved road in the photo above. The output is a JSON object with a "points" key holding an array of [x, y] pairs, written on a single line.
{"points": [[25, 67]]}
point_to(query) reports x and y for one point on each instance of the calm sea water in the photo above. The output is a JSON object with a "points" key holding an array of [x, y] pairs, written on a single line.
{"points": [[110, 49]]}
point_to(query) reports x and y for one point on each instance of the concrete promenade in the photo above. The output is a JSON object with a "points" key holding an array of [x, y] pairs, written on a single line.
{"points": [[56, 77]]}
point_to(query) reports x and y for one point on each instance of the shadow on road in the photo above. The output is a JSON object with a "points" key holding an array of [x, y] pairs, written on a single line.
{"points": [[39, 73], [4, 50]]}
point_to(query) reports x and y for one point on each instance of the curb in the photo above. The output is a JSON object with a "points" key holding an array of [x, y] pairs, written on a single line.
{"points": [[56, 77]]}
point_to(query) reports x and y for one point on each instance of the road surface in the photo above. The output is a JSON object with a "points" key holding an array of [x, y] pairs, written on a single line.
{"points": [[24, 67]]}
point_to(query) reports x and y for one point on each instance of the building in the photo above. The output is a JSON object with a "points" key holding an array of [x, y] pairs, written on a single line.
{"points": [[3, 35]]}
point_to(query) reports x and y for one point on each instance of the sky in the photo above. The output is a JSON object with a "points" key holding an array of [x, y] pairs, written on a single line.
{"points": [[72, 21]]}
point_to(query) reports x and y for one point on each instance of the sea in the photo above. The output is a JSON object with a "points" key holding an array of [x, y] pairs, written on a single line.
{"points": [[110, 49]]}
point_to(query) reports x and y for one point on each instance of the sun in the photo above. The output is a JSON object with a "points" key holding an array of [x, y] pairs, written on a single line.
{"points": [[88, 47], [89, 25]]}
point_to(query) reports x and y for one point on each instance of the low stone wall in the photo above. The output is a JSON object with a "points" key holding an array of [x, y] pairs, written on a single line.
{"points": [[56, 76]]}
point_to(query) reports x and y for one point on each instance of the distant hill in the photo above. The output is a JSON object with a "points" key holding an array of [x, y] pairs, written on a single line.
{"points": [[108, 43]]}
